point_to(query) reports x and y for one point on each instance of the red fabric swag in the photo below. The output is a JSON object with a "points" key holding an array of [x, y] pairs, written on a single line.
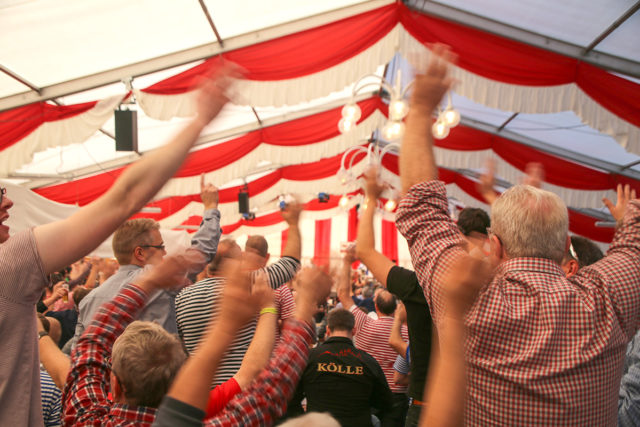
{"points": [[390, 240], [18, 123]]}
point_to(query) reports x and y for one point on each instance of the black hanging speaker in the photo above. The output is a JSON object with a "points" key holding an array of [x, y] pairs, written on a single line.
{"points": [[126, 130], [243, 202]]}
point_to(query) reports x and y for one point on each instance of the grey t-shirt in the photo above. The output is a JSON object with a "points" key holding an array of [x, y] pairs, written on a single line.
{"points": [[22, 280]]}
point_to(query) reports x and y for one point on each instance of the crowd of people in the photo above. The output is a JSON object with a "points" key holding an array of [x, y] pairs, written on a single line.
{"points": [[505, 320]]}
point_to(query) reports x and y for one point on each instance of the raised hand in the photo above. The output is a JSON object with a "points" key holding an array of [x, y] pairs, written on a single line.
{"points": [[488, 182], [534, 174], [625, 195], [212, 94], [372, 187], [431, 85], [208, 194], [172, 271], [291, 212], [313, 289]]}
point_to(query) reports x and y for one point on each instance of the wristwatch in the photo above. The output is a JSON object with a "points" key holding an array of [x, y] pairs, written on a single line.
{"points": [[42, 334]]}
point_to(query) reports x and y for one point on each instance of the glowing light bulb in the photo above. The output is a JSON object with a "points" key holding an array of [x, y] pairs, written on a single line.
{"points": [[451, 117], [439, 130], [344, 201], [398, 109], [390, 205], [345, 125], [393, 130], [351, 112]]}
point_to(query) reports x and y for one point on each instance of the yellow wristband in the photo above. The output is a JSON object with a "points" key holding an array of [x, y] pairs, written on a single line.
{"points": [[269, 310]]}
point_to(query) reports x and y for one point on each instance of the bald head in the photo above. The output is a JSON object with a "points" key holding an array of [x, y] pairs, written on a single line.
{"points": [[385, 303]]}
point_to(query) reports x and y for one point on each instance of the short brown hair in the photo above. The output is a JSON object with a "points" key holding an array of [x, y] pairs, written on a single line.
{"points": [[340, 319], [131, 234], [146, 359]]}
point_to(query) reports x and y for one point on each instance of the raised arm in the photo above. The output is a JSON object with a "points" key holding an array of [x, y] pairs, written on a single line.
{"points": [[239, 305], [259, 351], [54, 360], [395, 338], [417, 162], [446, 386], [291, 214], [207, 237], [378, 264], [344, 279], [62, 242]]}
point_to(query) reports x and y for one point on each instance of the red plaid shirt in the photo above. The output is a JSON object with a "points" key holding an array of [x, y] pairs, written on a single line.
{"points": [[85, 393], [543, 350]]}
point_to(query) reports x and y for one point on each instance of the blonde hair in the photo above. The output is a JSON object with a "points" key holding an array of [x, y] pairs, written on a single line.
{"points": [[131, 234], [146, 359], [531, 222]]}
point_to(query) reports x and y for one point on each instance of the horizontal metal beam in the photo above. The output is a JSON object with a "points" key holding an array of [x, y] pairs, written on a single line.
{"points": [[42, 180], [544, 147], [600, 59], [187, 56]]}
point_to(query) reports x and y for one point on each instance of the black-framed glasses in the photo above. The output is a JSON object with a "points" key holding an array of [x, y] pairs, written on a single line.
{"points": [[3, 191], [161, 247]]}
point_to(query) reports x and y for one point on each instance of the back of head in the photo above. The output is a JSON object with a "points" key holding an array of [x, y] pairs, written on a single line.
{"points": [[367, 291], [386, 303], [340, 319], [131, 234], [79, 293], [227, 248], [586, 252], [146, 359], [531, 222], [473, 220], [258, 245]]}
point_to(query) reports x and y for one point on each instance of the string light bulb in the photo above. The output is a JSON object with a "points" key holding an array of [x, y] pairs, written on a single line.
{"points": [[451, 117], [398, 109], [393, 130], [352, 112], [440, 130], [344, 201], [390, 205], [345, 125]]}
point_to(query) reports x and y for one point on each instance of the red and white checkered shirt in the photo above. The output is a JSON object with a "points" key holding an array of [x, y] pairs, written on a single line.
{"points": [[372, 336], [85, 393], [543, 350]]}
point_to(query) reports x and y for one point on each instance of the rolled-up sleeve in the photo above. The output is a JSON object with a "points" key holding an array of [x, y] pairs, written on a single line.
{"points": [[433, 237]]}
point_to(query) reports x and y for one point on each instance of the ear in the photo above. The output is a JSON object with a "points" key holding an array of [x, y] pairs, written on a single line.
{"points": [[116, 388], [266, 259], [496, 251], [570, 267], [138, 255]]}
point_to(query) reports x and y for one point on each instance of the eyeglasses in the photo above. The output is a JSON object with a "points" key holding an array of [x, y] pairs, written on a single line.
{"points": [[161, 247], [3, 191]]}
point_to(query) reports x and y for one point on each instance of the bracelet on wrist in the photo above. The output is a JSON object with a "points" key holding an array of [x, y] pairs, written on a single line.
{"points": [[271, 310]]}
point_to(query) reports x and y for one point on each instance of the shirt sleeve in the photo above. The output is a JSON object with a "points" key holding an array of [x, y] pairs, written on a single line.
{"points": [[282, 271], [266, 399], [85, 392], [404, 284], [629, 394], [618, 273], [221, 395], [285, 303], [434, 239], [207, 237], [361, 318], [381, 398], [401, 365]]}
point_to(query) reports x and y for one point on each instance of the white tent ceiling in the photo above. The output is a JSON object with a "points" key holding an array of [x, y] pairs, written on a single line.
{"points": [[77, 51]]}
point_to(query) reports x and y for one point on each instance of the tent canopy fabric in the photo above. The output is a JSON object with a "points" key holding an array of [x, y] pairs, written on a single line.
{"points": [[521, 100]]}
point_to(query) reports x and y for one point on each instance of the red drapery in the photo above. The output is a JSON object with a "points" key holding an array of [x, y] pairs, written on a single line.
{"points": [[16, 124], [390, 240], [322, 243]]}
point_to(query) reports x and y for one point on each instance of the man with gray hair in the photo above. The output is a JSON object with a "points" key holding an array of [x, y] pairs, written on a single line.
{"points": [[542, 349]]}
